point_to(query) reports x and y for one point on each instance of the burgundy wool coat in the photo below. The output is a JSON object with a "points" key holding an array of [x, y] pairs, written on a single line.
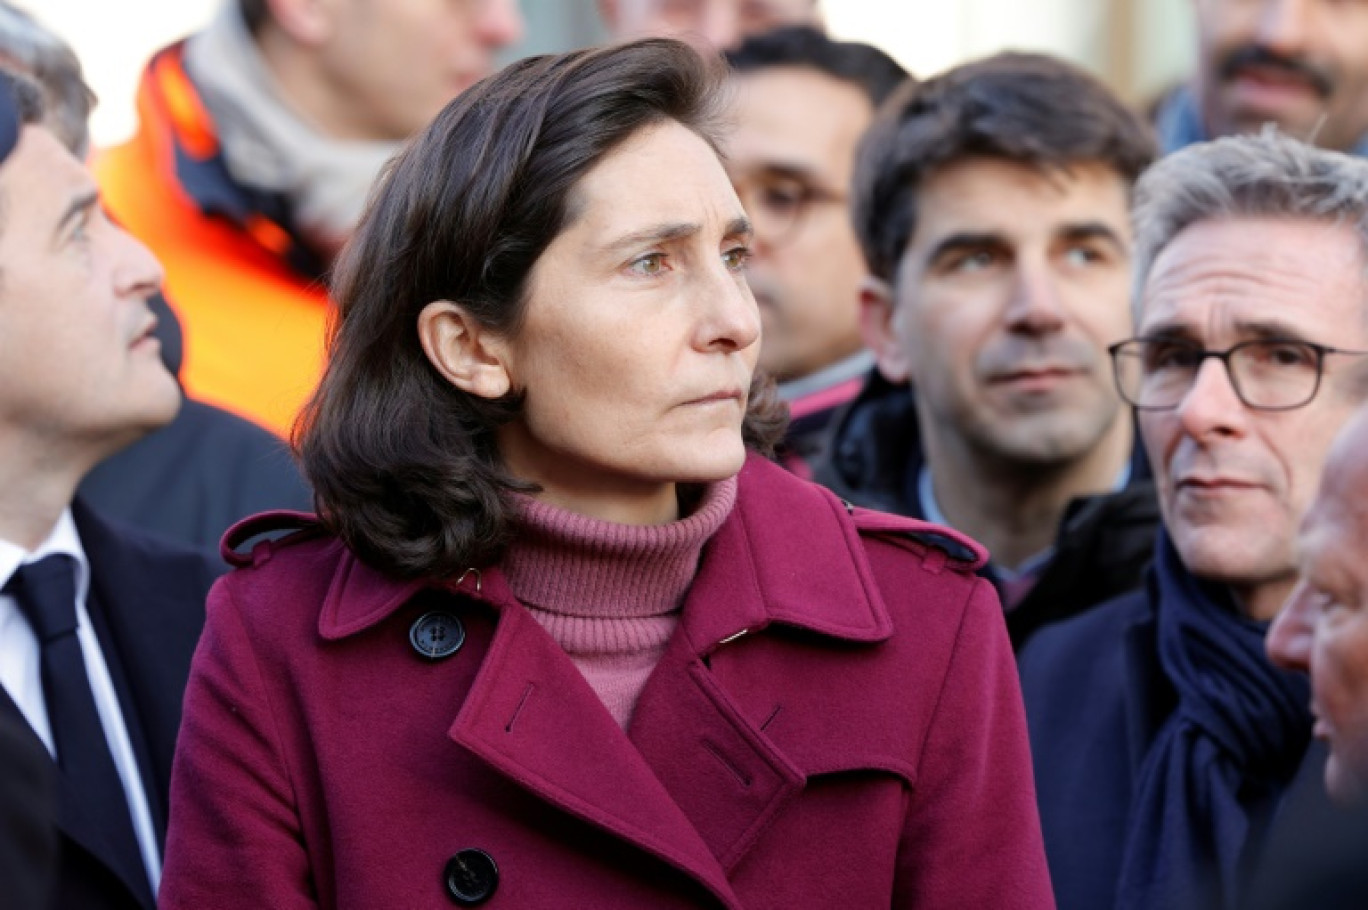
{"points": [[835, 723]]}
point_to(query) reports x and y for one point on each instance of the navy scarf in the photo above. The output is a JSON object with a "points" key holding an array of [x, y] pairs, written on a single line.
{"points": [[1218, 765]]}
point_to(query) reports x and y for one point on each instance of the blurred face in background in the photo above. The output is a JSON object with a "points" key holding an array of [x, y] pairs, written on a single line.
{"points": [[1323, 629], [790, 153], [1013, 285], [708, 24], [1290, 62], [385, 68]]}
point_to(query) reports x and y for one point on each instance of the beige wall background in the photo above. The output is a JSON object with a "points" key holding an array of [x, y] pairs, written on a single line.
{"points": [[1138, 46]]}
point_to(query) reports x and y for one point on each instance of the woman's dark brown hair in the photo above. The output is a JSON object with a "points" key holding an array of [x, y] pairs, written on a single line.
{"points": [[404, 465]]}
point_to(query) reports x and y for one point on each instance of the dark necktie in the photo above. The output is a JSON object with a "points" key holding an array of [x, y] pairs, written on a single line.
{"points": [[46, 594]]}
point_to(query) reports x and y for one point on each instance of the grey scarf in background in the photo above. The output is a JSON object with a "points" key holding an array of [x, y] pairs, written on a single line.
{"points": [[270, 147]]}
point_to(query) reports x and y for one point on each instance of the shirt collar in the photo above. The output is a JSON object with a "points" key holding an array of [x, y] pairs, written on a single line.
{"points": [[853, 367], [61, 539]]}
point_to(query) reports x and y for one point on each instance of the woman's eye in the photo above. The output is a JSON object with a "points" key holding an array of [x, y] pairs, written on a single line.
{"points": [[648, 266], [736, 258]]}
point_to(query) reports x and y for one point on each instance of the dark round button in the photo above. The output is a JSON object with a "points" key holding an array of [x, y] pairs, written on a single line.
{"points": [[471, 877], [437, 634]]}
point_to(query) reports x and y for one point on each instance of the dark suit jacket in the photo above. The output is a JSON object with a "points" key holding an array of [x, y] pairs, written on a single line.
{"points": [[1316, 851], [28, 808], [197, 476], [147, 606], [1096, 697]]}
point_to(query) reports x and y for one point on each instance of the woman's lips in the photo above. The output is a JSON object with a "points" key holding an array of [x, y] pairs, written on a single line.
{"points": [[726, 395]]}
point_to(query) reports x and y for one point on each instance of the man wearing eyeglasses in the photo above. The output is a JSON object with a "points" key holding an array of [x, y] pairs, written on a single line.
{"points": [[992, 203], [802, 101], [1164, 740]]}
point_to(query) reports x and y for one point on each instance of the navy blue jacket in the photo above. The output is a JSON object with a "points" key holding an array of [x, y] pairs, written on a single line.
{"points": [[873, 459], [1096, 697]]}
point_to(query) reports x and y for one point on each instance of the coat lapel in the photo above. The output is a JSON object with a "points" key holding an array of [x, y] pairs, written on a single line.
{"points": [[698, 780], [76, 826], [147, 604], [151, 611], [728, 777], [1149, 695], [531, 715]]}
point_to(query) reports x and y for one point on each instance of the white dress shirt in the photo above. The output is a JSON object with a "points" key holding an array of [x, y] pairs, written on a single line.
{"points": [[20, 675]]}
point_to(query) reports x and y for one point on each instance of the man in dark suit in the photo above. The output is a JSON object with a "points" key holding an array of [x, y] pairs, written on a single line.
{"points": [[209, 468], [992, 204], [97, 624], [1165, 744]]}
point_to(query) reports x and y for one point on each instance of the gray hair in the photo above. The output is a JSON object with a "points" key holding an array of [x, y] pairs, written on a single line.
{"points": [[1265, 175], [28, 47]]}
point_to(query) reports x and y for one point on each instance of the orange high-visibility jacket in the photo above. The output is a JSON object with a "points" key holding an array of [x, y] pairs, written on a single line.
{"points": [[253, 307]]}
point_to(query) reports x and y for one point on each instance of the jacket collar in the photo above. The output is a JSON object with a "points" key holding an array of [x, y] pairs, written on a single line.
{"points": [[811, 574], [189, 153], [532, 716], [875, 448]]}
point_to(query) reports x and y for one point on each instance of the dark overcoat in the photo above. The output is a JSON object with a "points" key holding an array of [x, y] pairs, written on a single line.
{"points": [[146, 604]]}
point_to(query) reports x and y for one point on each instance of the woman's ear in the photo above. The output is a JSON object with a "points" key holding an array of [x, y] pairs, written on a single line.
{"points": [[468, 355]]}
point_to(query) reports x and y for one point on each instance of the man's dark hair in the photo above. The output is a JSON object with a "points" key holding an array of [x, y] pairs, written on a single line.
{"points": [[1027, 108], [28, 47], [27, 94], [862, 65], [404, 465]]}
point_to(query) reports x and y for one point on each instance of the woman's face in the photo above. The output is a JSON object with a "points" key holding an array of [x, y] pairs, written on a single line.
{"points": [[640, 335]]}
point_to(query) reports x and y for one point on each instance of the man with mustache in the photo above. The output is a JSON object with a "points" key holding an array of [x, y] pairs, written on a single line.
{"points": [[992, 206], [1300, 64], [801, 103], [709, 25], [1164, 741]]}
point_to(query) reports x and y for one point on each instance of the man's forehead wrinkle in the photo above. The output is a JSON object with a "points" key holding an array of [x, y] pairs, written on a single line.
{"points": [[1235, 276]]}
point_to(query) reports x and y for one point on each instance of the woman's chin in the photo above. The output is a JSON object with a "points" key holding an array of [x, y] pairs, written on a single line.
{"points": [[710, 466]]}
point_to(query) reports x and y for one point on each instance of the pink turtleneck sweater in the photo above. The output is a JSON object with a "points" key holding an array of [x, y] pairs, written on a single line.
{"points": [[608, 593]]}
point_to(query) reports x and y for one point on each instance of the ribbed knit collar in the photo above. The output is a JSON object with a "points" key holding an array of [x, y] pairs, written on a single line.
{"points": [[581, 568]]}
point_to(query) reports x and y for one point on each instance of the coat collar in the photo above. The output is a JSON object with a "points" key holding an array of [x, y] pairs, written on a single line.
{"points": [[811, 574], [696, 782]]}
